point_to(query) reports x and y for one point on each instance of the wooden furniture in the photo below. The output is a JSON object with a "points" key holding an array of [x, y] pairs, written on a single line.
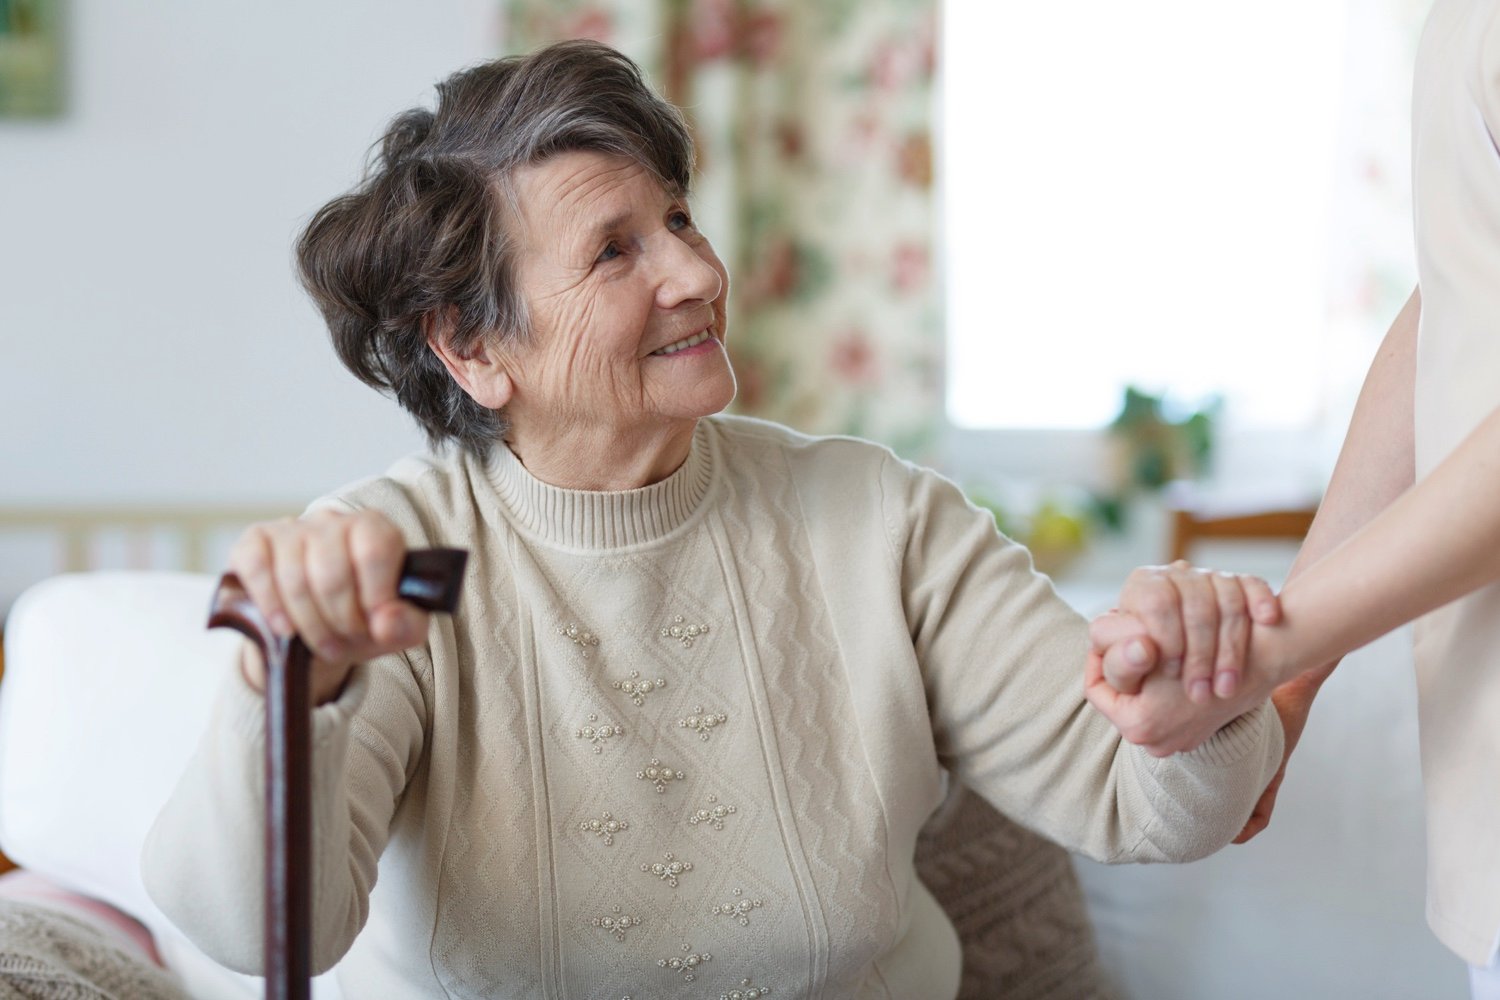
{"points": [[194, 529], [1197, 515]]}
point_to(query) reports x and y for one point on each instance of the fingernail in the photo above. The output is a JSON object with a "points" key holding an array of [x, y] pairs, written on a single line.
{"points": [[330, 650], [281, 624], [1265, 609], [1173, 668], [1226, 683], [1135, 652], [1201, 691]]}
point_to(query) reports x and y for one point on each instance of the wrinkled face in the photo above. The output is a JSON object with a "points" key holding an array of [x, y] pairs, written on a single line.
{"points": [[626, 301]]}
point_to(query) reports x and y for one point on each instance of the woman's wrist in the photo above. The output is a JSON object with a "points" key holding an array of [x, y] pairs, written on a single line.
{"points": [[327, 680], [1273, 659]]}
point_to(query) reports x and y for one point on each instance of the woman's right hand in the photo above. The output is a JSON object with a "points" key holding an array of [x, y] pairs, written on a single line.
{"points": [[330, 578]]}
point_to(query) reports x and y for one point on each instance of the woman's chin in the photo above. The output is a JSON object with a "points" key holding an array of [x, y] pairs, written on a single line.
{"points": [[709, 393], [727, 390]]}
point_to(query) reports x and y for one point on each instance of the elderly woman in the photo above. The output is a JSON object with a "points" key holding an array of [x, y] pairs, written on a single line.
{"points": [[708, 675]]}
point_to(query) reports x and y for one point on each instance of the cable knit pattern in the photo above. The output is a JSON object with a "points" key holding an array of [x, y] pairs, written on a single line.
{"points": [[827, 778], [680, 738], [1016, 903], [487, 887], [50, 955]]}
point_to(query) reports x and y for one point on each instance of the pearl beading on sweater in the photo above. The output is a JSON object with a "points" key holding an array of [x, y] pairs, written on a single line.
{"points": [[605, 827], [580, 637], [658, 775], [668, 869], [683, 632], [617, 923], [687, 964], [739, 908], [703, 723], [598, 735], [714, 814], [638, 689]]}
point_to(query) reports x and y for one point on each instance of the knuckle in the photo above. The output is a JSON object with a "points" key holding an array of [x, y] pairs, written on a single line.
{"points": [[1200, 616], [252, 546], [1233, 612], [1155, 602], [329, 579], [373, 523], [1228, 585], [1200, 600], [279, 530], [373, 538], [1097, 636], [251, 563], [292, 582]]}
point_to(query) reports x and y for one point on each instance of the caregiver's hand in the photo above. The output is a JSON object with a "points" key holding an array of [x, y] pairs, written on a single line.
{"points": [[1159, 716], [330, 578], [1194, 623]]}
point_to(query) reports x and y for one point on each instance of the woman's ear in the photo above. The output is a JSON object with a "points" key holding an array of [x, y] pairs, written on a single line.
{"points": [[477, 370]]}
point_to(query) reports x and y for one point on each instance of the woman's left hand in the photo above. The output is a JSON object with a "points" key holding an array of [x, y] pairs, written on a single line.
{"points": [[1193, 623]]}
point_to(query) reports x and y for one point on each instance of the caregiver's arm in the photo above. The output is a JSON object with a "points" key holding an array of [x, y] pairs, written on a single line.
{"points": [[1375, 465], [1437, 542]]}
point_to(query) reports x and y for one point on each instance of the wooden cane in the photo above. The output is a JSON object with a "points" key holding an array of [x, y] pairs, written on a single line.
{"points": [[430, 579]]}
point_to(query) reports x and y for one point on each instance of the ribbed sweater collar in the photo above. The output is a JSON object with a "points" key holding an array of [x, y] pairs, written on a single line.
{"points": [[585, 519]]}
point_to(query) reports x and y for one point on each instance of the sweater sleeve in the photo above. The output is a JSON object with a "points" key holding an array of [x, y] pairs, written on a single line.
{"points": [[203, 858], [1002, 660]]}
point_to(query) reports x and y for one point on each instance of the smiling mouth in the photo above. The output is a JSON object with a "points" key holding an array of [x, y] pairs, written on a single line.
{"points": [[682, 345]]}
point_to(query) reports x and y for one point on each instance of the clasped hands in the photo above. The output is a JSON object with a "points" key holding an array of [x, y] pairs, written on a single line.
{"points": [[1172, 664]]}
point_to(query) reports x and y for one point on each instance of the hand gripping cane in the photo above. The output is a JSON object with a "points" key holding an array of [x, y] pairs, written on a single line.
{"points": [[430, 578]]}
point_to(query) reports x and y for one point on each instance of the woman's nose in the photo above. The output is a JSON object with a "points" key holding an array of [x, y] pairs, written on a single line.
{"points": [[687, 276]]}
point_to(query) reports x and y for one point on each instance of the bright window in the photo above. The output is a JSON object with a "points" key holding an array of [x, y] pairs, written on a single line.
{"points": [[1138, 194]]}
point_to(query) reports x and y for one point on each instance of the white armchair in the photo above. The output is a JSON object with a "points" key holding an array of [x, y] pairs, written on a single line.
{"points": [[109, 677]]}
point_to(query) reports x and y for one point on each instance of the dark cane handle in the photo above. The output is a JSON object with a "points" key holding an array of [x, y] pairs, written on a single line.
{"points": [[430, 579]]}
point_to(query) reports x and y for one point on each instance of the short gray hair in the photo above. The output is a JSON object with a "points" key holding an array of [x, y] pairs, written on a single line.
{"points": [[424, 237]]}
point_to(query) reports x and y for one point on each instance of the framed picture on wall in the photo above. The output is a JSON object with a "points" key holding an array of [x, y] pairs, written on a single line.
{"points": [[31, 58]]}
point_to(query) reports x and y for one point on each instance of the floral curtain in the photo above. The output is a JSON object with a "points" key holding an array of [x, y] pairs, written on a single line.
{"points": [[814, 131]]}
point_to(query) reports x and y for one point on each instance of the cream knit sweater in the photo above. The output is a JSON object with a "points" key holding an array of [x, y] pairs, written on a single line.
{"points": [[679, 741]]}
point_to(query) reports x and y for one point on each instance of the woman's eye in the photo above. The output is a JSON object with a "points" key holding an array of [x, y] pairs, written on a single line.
{"points": [[610, 252], [679, 220]]}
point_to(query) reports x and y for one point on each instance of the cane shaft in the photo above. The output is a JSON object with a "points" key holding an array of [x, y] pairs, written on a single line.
{"points": [[430, 578], [288, 908]]}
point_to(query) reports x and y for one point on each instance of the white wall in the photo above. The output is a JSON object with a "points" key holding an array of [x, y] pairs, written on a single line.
{"points": [[154, 346]]}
